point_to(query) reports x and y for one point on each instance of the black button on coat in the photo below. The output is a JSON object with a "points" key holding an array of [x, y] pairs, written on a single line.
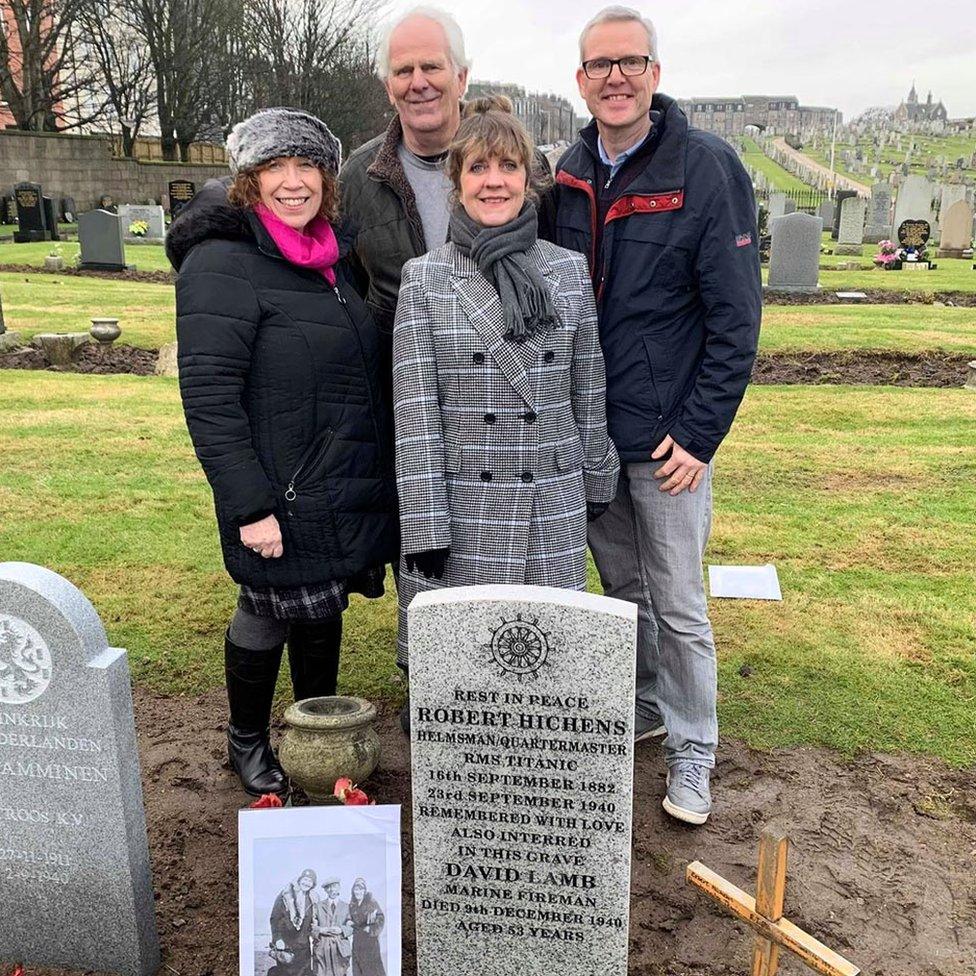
{"points": [[281, 386]]}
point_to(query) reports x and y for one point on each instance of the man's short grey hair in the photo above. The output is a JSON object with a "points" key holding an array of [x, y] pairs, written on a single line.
{"points": [[452, 30], [614, 15]]}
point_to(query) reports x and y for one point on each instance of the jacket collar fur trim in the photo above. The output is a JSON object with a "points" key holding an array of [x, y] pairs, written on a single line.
{"points": [[387, 168]]}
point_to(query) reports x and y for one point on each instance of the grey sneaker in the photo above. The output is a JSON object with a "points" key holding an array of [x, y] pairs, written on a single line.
{"points": [[688, 797], [648, 728]]}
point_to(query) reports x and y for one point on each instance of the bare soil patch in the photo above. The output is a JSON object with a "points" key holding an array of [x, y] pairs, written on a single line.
{"points": [[863, 368], [873, 296], [91, 358], [153, 277], [880, 868]]}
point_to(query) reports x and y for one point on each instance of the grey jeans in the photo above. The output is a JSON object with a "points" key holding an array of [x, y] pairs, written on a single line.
{"points": [[648, 547]]}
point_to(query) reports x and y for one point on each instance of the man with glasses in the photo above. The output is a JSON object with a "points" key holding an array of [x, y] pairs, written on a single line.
{"points": [[666, 215]]}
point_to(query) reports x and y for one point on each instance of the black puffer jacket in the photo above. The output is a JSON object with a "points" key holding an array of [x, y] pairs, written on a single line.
{"points": [[279, 374]]}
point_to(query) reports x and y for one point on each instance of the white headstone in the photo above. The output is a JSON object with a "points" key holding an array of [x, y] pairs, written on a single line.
{"points": [[522, 742], [75, 883], [914, 201], [151, 215]]}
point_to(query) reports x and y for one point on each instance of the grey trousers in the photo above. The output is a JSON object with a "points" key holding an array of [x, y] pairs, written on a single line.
{"points": [[648, 548]]}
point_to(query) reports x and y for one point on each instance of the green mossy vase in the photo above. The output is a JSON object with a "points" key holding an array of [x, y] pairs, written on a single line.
{"points": [[326, 739]]}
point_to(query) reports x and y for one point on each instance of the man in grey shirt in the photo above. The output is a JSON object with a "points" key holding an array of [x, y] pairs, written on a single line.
{"points": [[431, 190]]}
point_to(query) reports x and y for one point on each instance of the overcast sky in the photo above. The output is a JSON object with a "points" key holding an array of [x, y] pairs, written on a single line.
{"points": [[847, 54]]}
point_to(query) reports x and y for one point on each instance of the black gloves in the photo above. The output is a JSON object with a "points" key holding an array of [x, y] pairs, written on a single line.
{"points": [[595, 509], [429, 563]]}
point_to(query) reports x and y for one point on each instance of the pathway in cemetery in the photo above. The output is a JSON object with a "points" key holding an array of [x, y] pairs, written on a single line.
{"points": [[843, 182]]}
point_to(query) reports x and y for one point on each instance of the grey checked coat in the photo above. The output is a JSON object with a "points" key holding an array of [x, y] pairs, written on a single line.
{"points": [[500, 445]]}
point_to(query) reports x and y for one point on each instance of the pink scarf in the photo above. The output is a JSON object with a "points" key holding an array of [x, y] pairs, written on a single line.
{"points": [[315, 247]]}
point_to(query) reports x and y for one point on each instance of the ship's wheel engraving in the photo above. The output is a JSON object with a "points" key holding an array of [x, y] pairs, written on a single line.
{"points": [[25, 662], [519, 646]]}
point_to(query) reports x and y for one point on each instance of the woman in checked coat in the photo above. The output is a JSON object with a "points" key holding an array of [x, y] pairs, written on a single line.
{"points": [[499, 387]]}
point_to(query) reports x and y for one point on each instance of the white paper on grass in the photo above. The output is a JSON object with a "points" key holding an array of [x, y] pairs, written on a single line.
{"points": [[275, 846], [744, 582]]}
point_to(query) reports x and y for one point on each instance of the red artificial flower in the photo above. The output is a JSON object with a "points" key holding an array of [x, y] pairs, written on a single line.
{"points": [[267, 802], [350, 794], [18, 971]]}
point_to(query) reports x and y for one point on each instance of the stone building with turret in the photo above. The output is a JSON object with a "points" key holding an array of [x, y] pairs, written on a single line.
{"points": [[913, 112]]}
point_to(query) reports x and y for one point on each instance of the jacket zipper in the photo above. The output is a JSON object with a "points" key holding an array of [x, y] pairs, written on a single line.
{"points": [[316, 448]]}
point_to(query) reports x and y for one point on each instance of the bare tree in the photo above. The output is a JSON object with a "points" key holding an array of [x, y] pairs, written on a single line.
{"points": [[124, 76], [183, 40], [40, 72]]}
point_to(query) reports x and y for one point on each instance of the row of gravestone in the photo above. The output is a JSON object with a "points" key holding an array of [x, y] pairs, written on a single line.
{"points": [[794, 258], [522, 764], [37, 219], [854, 221]]}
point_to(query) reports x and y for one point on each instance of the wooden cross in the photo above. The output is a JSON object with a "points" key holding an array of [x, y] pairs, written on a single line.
{"points": [[764, 913]]}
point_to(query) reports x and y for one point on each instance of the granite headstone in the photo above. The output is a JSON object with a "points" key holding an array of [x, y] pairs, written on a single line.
{"points": [[151, 215], [914, 201], [100, 234], [51, 219], [522, 742], [794, 256], [180, 193], [957, 228], [31, 219], [777, 204], [75, 883], [850, 234], [839, 197], [878, 226], [826, 213]]}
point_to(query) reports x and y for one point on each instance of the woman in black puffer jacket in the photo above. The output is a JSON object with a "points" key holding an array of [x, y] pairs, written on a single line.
{"points": [[279, 373]]}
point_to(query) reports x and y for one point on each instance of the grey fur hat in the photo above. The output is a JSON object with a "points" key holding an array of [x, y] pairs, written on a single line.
{"points": [[275, 132]]}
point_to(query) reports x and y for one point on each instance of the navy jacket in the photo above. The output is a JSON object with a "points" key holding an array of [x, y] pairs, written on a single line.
{"points": [[676, 277]]}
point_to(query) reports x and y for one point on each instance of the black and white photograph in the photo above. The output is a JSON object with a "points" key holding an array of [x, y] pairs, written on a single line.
{"points": [[320, 892]]}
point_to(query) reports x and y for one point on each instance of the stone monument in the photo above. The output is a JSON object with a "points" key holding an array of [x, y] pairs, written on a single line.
{"points": [[794, 253], [75, 883], [878, 226], [100, 234], [957, 229], [914, 201], [850, 234], [31, 214], [180, 193], [152, 216], [522, 741]]}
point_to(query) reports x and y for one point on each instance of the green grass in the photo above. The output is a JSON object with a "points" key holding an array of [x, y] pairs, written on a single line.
{"points": [[755, 159], [863, 498], [901, 328], [923, 158], [54, 303], [146, 257]]}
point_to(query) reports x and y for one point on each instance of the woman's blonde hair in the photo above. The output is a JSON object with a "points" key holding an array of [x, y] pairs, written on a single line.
{"points": [[245, 191], [489, 129]]}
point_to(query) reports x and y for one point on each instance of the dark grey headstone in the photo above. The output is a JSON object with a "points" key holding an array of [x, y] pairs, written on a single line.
{"points": [[31, 219], [100, 234], [794, 255], [180, 193], [75, 882], [51, 219], [522, 743]]}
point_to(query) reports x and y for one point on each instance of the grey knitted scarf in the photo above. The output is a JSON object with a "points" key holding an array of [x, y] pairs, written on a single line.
{"points": [[500, 253]]}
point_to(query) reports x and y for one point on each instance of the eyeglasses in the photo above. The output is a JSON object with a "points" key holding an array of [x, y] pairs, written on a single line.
{"points": [[633, 64]]}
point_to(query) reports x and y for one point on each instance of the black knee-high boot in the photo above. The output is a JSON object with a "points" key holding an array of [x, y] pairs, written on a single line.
{"points": [[313, 656], [251, 678]]}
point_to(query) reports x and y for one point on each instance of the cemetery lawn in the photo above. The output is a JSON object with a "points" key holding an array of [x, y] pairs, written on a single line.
{"points": [[896, 328], [780, 178], [862, 497], [146, 257], [64, 303]]}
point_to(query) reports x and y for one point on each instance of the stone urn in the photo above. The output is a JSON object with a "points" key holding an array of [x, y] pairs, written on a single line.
{"points": [[105, 331], [326, 739], [53, 262]]}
